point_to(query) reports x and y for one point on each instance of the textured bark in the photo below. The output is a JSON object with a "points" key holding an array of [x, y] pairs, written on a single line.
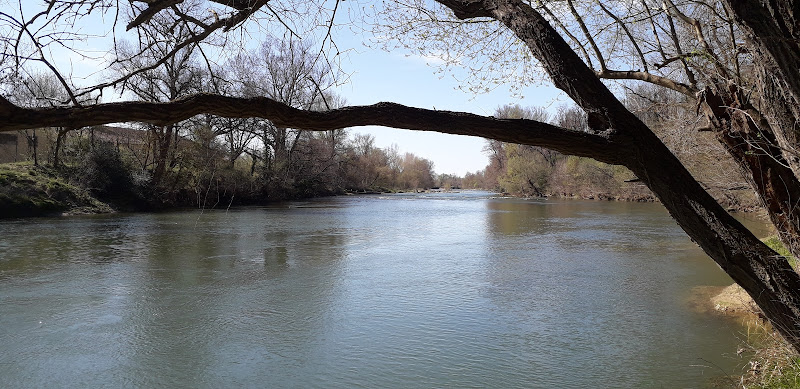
{"points": [[773, 29], [751, 141], [382, 114], [771, 131]]}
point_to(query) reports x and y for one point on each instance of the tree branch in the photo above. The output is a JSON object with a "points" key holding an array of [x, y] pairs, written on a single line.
{"points": [[153, 8], [225, 24], [467, 9], [393, 115], [698, 31], [627, 32], [676, 41], [649, 77], [588, 35], [566, 31]]}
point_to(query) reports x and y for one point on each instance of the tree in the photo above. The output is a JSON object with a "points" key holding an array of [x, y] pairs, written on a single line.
{"points": [[526, 168], [614, 135], [495, 149], [287, 72], [416, 172], [178, 74]]}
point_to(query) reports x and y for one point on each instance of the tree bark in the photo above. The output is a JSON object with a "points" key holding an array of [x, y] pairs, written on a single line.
{"points": [[751, 141], [773, 29], [767, 145], [381, 114]]}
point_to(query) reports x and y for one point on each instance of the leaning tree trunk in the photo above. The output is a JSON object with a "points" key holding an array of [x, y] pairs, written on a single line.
{"points": [[772, 29], [767, 277], [752, 142]]}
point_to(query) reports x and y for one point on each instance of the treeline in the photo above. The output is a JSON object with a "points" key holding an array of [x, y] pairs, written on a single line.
{"points": [[207, 160], [531, 171], [210, 160], [124, 165]]}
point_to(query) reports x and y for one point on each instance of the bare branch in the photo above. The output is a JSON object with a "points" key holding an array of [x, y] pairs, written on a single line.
{"points": [[676, 41], [649, 77], [225, 24], [670, 60], [566, 31], [382, 114], [153, 8], [651, 19], [588, 35], [698, 31], [627, 32]]}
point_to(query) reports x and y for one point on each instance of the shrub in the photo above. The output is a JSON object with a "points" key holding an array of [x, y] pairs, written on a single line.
{"points": [[104, 173]]}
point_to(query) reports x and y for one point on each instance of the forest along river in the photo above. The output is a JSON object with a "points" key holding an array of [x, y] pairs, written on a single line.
{"points": [[408, 291]]}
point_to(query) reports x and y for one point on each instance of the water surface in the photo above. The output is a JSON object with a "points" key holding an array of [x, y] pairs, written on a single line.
{"points": [[398, 291]]}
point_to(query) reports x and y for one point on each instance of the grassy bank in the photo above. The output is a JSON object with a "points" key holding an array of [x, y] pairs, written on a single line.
{"points": [[27, 190], [774, 365]]}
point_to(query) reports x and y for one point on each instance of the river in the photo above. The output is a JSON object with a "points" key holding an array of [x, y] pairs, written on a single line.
{"points": [[392, 291]]}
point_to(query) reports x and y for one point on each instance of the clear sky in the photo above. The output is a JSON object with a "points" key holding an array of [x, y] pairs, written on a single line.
{"points": [[395, 76]]}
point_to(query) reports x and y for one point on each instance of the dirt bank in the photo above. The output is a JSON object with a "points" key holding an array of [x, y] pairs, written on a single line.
{"points": [[27, 190]]}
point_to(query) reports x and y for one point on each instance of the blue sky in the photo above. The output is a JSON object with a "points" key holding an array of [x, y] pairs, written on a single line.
{"points": [[396, 76]]}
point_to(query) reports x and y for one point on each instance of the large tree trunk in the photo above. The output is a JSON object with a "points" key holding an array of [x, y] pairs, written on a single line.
{"points": [[752, 142], [768, 146]]}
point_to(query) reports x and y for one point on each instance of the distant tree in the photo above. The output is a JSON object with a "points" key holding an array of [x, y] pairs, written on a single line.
{"points": [[160, 71], [495, 150], [416, 173], [448, 181], [475, 180], [526, 169]]}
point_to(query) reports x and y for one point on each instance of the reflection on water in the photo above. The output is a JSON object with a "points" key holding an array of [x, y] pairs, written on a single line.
{"points": [[436, 290]]}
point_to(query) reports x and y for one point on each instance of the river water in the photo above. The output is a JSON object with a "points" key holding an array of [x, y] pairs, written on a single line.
{"points": [[396, 291]]}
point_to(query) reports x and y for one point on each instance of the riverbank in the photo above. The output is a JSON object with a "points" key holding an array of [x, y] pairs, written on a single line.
{"points": [[774, 364], [27, 191], [739, 203]]}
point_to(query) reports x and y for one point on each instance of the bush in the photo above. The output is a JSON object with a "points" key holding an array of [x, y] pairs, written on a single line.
{"points": [[104, 173]]}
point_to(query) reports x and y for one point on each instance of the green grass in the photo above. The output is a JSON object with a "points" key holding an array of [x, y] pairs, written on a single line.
{"points": [[775, 243], [783, 377], [27, 190]]}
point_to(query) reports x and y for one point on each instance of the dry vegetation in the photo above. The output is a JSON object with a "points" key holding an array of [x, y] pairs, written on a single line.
{"points": [[531, 171], [773, 364]]}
